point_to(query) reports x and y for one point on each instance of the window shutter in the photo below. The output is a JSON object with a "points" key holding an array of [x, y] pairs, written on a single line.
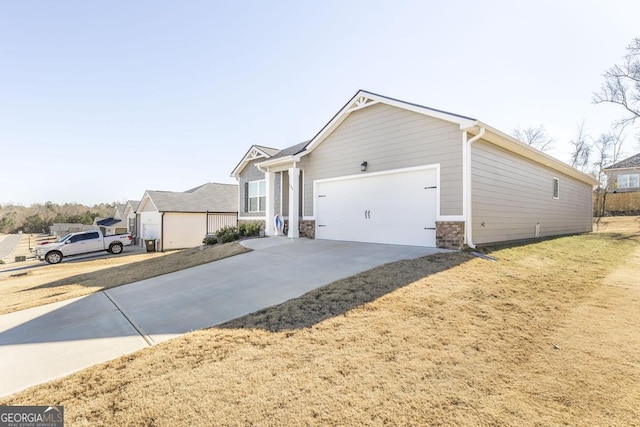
{"points": [[246, 197]]}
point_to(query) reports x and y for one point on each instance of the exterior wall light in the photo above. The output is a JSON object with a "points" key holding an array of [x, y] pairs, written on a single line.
{"points": [[363, 166]]}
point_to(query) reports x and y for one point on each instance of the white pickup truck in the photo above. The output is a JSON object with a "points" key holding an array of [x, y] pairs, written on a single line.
{"points": [[82, 243]]}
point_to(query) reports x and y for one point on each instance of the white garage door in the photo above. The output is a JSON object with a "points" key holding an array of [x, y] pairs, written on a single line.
{"points": [[395, 208]]}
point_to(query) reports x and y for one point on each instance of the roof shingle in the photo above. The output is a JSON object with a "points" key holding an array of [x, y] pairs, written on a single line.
{"points": [[210, 197], [630, 162]]}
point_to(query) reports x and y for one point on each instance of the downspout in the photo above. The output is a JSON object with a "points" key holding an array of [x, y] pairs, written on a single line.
{"points": [[467, 229], [161, 232]]}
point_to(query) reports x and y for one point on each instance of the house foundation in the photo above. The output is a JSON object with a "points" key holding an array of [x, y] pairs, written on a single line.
{"points": [[306, 228], [450, 234]]}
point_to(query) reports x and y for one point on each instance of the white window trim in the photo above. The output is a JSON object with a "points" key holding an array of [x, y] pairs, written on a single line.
{"points": [[556, 196], [259, 196], [628, 176]]}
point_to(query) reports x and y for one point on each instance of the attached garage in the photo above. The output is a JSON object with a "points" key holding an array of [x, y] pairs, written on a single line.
{"points": [[394, 207]]}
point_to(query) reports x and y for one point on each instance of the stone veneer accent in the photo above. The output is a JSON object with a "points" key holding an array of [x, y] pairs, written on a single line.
{"points": [[306, 228], [450, 234]]}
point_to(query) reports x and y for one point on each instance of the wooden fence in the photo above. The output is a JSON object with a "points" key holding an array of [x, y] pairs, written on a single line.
{"points": [[616, 203]]}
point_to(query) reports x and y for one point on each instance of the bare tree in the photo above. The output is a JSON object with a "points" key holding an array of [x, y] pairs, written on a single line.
{"points": [[581, 149], [622, 84], [607, 148], [535, 137]]}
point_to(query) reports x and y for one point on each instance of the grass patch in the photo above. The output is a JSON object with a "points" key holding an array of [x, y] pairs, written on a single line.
{"points": [[471, 343], [69, 280]]}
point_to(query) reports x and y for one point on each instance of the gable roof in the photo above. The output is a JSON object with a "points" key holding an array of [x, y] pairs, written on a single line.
{"points": [[119, 211], [132, 204], [364, 99], [209, 197], [630, 162], [254, 152]]}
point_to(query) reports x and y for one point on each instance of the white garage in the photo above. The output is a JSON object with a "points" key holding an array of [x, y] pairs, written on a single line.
{"points": [[394, 207]]}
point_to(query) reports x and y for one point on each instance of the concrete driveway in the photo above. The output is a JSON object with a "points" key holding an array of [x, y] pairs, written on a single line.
{"points": [[44, 343]]}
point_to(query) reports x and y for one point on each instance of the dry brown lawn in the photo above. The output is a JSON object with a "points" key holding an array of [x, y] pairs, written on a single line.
{"points": [[33, 287], [546, 335]]}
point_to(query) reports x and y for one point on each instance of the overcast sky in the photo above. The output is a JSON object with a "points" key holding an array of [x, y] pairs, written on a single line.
{"points": [[102, 100]]}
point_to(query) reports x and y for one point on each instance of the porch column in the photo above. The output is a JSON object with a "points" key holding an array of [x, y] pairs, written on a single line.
{"points": [[294, 196], [270, 210]]}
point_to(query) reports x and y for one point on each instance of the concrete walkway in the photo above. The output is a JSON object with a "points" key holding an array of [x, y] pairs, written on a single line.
{"points": [[47, 342]]}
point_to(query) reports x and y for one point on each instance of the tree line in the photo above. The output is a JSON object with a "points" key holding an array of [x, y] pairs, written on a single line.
{"points": [[37, 218]]}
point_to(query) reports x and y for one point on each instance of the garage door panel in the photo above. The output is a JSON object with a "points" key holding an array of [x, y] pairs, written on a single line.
{"points": [[396, 208]]}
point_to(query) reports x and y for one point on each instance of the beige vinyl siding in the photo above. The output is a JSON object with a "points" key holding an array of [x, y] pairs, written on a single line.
{"points": [[511, 194], [389, 138], [183, 230], [249, 173]]}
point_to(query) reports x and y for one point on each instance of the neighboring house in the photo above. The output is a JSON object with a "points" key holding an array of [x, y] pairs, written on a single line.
{"points": [[181, 220], [389, 171], [129, 215], [624, 176], [114, 224], [61, 229]]}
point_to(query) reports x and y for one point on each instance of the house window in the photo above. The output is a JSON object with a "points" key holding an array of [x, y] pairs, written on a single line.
{"points": [[631, 180], [257, 196], [556, 188]]}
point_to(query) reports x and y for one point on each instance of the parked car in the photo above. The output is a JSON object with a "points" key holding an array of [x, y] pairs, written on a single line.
{"points": [[82, 243]]}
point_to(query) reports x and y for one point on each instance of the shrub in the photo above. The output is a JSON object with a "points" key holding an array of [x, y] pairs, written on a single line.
{"points": [[249, 229], [227, 234], [210, 240]]}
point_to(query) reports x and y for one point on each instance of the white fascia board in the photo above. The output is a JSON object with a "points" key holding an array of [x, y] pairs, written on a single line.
{"points": [[286, 161], [501, 139]]}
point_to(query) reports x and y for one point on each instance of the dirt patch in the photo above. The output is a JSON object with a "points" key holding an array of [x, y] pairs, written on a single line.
{"points": [[69, 280], [468, 344], [629, 225]]}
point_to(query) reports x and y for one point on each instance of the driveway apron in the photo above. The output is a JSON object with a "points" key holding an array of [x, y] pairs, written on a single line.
{"points": [[47, 342]]}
